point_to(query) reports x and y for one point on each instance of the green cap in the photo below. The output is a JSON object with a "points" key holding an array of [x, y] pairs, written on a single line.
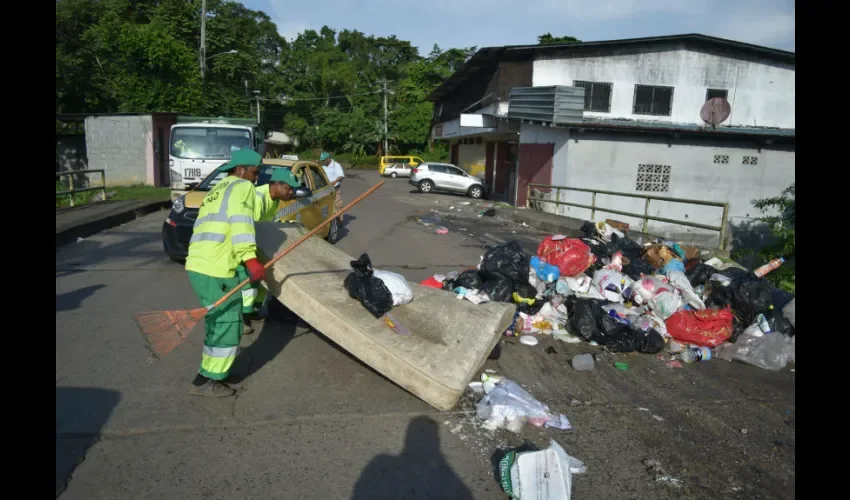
{"points": [[242, 158], [324, 156], [284, 175]]}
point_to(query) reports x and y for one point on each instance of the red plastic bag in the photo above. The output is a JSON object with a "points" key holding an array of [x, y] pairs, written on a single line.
{"points": [[432, 283], [571, 255], [707, 327]]}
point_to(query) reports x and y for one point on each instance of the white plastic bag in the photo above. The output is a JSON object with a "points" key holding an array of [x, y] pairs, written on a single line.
{"points": [[402, 294], [788, 312], [509, 406], [603, 279], [771, 352], [545, 474]]}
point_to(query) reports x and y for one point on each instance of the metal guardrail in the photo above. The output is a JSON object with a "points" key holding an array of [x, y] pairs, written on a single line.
{"points": [[645, 216], [73, 191]]}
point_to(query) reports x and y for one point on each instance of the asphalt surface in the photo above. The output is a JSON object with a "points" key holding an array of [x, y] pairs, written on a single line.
{"points": [[310, 421]]}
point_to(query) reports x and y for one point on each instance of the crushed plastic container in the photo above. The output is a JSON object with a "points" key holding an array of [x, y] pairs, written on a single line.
{"points": [[538, 475], [582, 362]]}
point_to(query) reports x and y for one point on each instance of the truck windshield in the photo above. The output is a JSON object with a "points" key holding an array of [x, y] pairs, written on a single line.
{"points": [[207, 142], [262, 178]]}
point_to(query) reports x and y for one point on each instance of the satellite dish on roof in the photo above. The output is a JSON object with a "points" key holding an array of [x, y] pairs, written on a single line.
{"points": [[715, 111]]}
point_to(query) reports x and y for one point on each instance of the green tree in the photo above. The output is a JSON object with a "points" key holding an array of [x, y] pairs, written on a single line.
{"points": [[548, 39], [779, 214]]}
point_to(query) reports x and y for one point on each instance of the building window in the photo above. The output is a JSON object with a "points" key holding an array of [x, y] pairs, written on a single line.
{"points": [[653, 100], [721, 159], [712, 93], [751, 160], [653, 178], [597, 95]]}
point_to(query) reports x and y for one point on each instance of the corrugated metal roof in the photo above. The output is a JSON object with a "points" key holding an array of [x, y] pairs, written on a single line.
{"points": [[557, 104], [489, 57]]}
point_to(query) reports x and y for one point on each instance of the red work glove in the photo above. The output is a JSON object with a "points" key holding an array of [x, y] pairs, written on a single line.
{"points": [[255, 269]]}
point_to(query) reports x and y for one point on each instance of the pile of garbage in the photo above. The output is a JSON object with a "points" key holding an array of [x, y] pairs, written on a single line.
{"points": [[609, 290]]}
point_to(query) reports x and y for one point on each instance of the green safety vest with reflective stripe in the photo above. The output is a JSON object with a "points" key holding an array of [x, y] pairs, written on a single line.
{"points": [[265, 207], [223, 235]]}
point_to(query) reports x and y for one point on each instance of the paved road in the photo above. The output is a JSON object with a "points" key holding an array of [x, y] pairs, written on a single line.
{"points": [[312, 422]]}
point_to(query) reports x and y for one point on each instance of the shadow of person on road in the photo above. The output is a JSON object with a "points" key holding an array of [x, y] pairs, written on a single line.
{"points": [[81, 413], [73, 300], [420, 471], [271, 339]]}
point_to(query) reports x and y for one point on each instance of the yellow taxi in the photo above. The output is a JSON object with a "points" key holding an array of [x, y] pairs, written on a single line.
{"points": [[310, 209]]}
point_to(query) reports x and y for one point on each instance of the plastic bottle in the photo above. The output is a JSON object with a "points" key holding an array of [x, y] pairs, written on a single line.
{"points": [[674, 347], [582, 362], [770, 266], [694, 354]]}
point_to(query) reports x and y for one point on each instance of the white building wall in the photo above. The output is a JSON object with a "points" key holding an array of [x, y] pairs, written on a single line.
{"points": [[610, 162], [760, 93], [122, 146]]}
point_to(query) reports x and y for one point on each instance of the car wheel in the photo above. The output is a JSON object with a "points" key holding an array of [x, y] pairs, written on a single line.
{"points": [[333, 232], [426, 186], [393, 175], [476, 192]]}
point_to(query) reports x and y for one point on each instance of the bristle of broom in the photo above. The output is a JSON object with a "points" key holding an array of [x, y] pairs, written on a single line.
{"points": [[165, 330]]}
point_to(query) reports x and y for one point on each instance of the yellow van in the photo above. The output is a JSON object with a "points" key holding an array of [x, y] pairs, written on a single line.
{"points": [[398, 166]]}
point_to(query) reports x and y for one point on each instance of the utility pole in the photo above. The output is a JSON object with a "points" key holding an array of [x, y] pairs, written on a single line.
{"points": [[257, 97], [203, 50], [386, 117]]}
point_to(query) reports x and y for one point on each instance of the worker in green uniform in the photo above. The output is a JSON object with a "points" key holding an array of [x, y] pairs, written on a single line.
{"points": [[222, 239], [281, 187]]}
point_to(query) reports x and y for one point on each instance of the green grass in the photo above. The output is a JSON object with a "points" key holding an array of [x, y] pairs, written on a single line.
{"points": [[137, 192]]}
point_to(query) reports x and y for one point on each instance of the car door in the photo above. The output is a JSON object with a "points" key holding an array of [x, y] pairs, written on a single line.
{"points": [[437, 174], [455, 179], [324, 196]]}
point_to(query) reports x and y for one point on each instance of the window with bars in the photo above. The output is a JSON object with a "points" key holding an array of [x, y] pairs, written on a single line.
{"points": [[597, 95], [712, 93], [653, 100], [653, 178]]}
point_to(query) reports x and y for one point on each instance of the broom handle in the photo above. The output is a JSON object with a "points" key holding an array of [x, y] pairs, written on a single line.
{"points": [[298, 242]]}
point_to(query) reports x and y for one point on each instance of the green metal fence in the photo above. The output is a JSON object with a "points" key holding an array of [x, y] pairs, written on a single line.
{"points": [[71, 192], [721, 229]]}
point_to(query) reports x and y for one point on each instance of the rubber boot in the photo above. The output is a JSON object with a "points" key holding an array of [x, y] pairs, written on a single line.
{"points": [[209, 388]]}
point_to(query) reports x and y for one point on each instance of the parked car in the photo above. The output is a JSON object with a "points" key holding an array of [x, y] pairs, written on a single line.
{"points": [[430, 177], [312, 206], [387, 161], [398, 170]]}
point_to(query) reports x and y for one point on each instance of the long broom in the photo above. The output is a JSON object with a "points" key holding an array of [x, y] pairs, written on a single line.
{"points": [[165, 330]]}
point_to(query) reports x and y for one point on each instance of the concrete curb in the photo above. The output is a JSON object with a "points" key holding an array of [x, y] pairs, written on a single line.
{"points": [[101, 224]]}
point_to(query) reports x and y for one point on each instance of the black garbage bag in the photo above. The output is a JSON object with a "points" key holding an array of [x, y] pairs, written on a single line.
{"points": [[499, 289], [750, 297], [616, 335], [588, 229], [530, 309], [632, 339], [525, 291], [638, 267], [586, 318], [699, 274], [508, 260], [362, 285], [631, 249], [470, 280]]}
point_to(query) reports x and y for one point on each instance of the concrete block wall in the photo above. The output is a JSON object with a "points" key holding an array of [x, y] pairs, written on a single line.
{"points": [[122, 146]]}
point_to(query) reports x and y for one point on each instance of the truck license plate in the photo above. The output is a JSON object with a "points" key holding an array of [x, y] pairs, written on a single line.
{"points": [[191, 173]]}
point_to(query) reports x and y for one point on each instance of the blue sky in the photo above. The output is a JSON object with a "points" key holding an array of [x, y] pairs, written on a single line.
{"points": [[485, 23]]}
